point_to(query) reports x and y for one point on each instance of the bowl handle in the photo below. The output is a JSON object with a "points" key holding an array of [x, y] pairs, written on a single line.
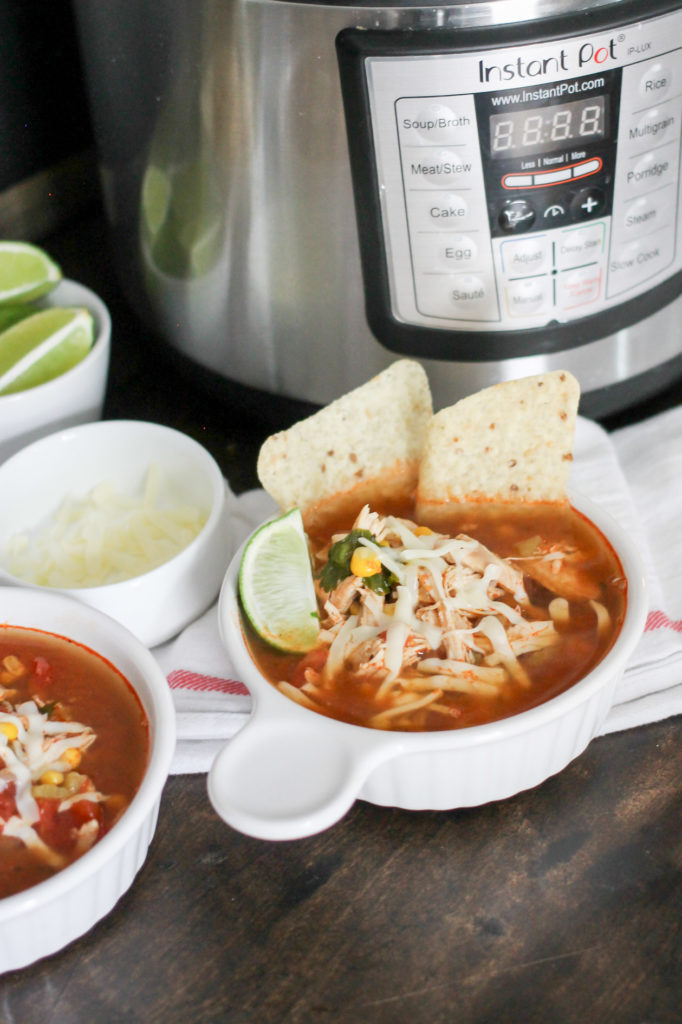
{"points": [[290, 776]]}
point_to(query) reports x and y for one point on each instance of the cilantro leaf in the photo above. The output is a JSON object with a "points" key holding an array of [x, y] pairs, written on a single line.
{"points": [[338, 566]]}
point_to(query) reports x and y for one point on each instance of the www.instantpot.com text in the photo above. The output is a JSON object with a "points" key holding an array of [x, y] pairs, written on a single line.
{"points": [[546, 92]]}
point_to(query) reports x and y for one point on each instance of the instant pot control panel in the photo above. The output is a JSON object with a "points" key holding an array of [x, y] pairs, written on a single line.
{"points": [[515, 199]]}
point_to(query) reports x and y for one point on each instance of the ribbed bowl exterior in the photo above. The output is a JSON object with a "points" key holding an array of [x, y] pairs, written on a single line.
{"points": [[48, 925], [476, 774]]}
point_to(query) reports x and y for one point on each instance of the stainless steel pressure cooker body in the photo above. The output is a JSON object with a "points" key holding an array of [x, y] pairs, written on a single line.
{"points": [[300, 192]]}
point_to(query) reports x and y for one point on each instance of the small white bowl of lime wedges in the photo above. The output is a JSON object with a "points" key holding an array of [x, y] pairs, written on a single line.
{"points": [[54, 348]]}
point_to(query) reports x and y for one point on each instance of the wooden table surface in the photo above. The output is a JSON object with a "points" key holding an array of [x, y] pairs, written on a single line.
{"points": [[562, 904]]}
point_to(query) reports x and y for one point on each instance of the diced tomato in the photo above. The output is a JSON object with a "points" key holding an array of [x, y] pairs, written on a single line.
{"points": [[58, 830], [8, 805], [85, 810], [314, 659], [42, 669]]}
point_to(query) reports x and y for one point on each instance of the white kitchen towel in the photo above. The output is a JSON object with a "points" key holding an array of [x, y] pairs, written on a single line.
{"points": [[633, 473]]}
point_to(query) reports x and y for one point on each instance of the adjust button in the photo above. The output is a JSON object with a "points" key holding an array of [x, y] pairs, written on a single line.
{"points": [[525, 256]]}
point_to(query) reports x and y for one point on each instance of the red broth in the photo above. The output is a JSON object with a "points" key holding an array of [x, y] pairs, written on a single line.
{"points": [[579, 645], [83, 789]]}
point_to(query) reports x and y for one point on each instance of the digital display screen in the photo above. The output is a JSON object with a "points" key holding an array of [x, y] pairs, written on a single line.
{"points": [[539, 130]]}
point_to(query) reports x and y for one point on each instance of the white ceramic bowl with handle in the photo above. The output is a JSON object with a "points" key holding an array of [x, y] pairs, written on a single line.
{"points": [[76, 396], [157, 604], [48, 916], [292, 772]]}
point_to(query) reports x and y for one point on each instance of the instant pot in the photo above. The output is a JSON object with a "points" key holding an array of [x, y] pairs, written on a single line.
{"points": [[301, 192]]}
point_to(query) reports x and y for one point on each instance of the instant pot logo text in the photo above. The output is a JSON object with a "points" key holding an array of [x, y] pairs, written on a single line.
{"points": [[587, 55]]}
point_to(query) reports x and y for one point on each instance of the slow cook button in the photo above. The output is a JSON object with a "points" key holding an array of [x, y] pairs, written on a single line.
{"points": [[579, 287], [529, 297], [457, 297], [638, 261], [440, 168], [576, 246], [655, 81], [526, 256]]}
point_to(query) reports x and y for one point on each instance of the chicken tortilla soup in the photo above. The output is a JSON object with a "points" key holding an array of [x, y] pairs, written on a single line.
{"points": [[74, 742], [422, 627]]}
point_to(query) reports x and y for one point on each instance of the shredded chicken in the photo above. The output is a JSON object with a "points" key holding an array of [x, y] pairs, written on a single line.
{"points": [[454, 618]]}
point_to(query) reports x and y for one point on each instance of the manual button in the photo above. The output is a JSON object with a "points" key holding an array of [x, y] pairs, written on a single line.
{"points": [[529, 297]]}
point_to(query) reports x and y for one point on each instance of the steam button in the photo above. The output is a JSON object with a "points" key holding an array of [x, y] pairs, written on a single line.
{"points": [[516, 215]]}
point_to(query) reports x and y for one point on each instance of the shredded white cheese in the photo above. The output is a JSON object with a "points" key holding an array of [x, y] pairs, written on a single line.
{"points": [[105, 537]]}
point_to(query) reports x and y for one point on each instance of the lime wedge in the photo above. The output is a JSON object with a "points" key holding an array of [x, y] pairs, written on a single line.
{"points": [[276, 585], [12, 313], [43, 346], [26, 272]]}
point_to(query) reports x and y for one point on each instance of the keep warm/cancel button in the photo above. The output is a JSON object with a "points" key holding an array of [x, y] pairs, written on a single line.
{"points": [[638, 261]]}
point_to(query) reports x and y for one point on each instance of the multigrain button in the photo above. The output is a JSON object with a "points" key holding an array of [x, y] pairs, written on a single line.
{"points": [[655, 81], [655, 126]]}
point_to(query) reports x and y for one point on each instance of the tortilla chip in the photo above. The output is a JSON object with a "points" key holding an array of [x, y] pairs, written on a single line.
{"points": [[511, 442], [364, 446]]}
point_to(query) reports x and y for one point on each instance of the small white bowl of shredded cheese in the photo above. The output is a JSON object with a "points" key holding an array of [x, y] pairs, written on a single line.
{"points": [[127, 516]]}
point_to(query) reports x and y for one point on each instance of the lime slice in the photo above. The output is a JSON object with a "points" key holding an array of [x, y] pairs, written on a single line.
{"points": [[26, 272], [43, 346], [276, 585]]}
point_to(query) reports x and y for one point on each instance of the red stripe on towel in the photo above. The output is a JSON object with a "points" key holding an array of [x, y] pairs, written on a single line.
{"points": [[181, 679], [659, 620]]}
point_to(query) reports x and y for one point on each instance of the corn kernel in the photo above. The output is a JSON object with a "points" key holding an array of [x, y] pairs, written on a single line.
{"points": [[364, 563], [72, 756], [422, 531], [10, 730], [52, 777]]}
